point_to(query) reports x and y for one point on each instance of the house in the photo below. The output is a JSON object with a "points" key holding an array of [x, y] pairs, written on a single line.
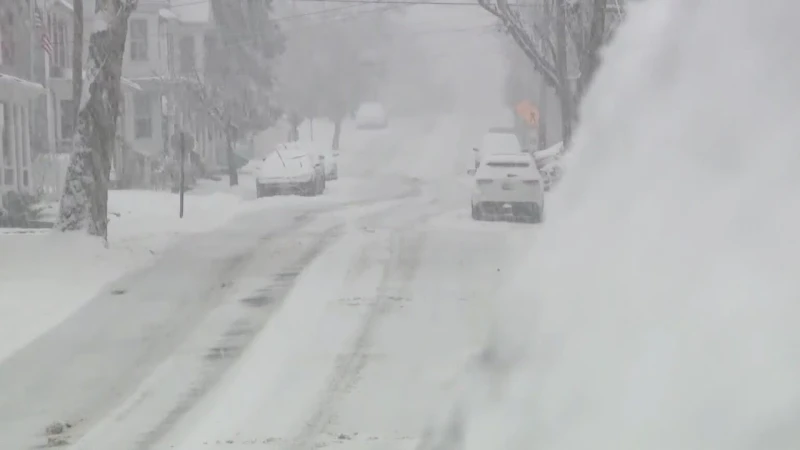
{"points": [[17, 93], [161, 52], [193, 39], [164, 56]]}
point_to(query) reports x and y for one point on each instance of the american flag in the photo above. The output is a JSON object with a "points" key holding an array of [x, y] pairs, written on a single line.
{"points": [[39, 23]]}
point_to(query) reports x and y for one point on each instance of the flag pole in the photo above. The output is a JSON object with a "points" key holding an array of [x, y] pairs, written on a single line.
{"points": [[32, 23]]}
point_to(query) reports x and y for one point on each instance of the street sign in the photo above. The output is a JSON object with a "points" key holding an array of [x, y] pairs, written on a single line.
{"points": [[528, 112], [188, 141]]}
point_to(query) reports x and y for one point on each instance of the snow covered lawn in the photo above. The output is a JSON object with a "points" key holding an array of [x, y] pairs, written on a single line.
{"points": [[45, 276]]}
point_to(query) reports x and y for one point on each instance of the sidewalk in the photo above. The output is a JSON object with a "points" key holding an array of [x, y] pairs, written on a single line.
{"points": [[45, 276]]}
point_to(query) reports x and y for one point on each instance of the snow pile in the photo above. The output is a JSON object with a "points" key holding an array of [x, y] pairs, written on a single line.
{"points": [[659, 306], [45, 277]]}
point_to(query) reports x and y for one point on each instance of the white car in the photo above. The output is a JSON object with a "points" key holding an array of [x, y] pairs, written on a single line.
{"points": [[508, 184], [371, 115], [290, 171], [324, 153], [549, 163], [494, 142]]}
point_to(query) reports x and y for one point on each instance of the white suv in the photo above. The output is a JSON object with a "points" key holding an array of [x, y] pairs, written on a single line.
{"points": [[508, 184]]}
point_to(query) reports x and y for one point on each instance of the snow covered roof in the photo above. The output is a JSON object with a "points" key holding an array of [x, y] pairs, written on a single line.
{"points": [[192, 11], [167, 14], [125, 81], [13, 88], [65, 3]]}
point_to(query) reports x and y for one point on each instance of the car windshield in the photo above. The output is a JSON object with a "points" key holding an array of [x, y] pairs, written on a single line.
{"points": [[500, 142], [508, 164]]}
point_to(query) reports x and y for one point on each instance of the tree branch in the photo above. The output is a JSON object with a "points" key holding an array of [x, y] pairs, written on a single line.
{"points": [[526, 42]]}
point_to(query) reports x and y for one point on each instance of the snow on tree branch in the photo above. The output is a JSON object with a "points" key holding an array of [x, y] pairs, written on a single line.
{"points": [[531, 40]]}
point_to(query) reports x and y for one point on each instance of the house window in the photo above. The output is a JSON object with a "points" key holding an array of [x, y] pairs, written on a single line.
{"points": [[138, 39], [170, 53], [143, 116], [187, 56], [6, 37], [67, 119], [7, 162]]}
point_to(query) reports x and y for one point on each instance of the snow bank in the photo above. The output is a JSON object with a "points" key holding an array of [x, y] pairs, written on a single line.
{"points": [[659, 306], [44, 277]]}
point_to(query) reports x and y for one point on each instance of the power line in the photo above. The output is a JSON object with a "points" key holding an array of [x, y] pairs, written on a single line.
{"points": [[413, 2]]}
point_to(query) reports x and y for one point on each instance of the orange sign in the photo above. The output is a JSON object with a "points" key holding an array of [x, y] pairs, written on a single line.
{"points": [[528, 112]]}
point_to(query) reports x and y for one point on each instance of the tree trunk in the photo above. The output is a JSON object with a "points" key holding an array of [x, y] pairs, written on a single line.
{"points": [[84, 203], [337, 133], [541, 134], [596, 33], [230, 138], [565, 85], [77, 56]]}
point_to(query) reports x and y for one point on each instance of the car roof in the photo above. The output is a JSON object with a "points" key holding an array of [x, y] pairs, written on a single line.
{"points": [[289, 152]]}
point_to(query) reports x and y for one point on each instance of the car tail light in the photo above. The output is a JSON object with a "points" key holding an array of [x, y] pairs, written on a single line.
{"points": [[483, 181]]}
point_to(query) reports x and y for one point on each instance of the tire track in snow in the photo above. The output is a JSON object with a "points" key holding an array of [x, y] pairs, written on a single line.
{"points": [[405, 248], [127, 334], [239, 336], [235, 331]]}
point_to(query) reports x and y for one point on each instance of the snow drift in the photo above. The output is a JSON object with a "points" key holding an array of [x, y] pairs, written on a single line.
{"points": [[659, 306]]}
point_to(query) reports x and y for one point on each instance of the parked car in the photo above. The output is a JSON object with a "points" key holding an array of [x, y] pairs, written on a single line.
{"points": [[496, 142], [326, 154], [290, 171], [371, 115], [508, 184], [549, 163]]}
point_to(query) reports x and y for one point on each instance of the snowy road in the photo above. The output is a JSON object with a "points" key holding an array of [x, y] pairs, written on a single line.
{"points": [[338, 319]]}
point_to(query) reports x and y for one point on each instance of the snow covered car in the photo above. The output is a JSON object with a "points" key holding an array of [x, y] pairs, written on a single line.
{"points": [[508, 184], [494, 142], [549, 163], [290, 171], [371, 115], [325, 154]]}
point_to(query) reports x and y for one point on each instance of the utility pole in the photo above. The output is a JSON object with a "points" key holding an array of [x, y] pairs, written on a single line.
{"points": [[182, 142], [183, 160], [541, 132]]}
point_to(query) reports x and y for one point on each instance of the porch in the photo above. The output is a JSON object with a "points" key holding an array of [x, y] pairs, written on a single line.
{"points": [[16, 95], [64, 120]]}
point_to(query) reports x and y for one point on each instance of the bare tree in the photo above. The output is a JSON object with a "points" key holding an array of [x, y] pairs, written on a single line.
{"points": [[554, 35], [322, 72], [236, 81], [230, 106], [77, 54], [84, 203]]}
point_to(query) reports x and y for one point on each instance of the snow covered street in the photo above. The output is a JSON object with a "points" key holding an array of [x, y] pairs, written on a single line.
{"points": [[296, 323]]}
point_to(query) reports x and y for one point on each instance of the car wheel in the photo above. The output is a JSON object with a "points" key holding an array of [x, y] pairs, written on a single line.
{"points": [[536, 213], [310, 189], [476, 212]]}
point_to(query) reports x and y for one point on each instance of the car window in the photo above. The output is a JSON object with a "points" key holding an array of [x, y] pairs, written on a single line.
{"points": [[500, 143], [508, 164]]}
